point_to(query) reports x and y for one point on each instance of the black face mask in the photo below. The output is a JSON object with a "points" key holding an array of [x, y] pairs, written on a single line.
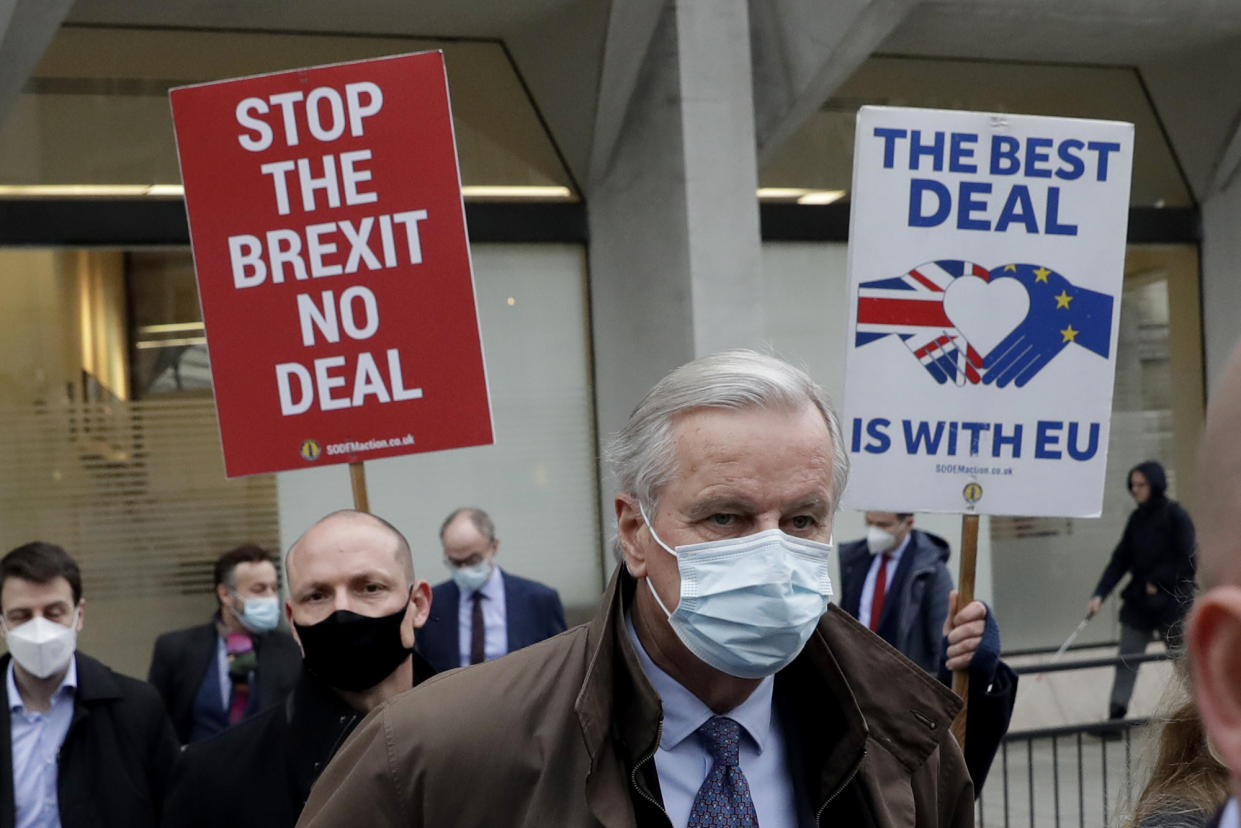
{"points": [[353, 652]]}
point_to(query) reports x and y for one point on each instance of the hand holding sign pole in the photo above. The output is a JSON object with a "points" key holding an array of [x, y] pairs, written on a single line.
{"points": [[981, 247]]}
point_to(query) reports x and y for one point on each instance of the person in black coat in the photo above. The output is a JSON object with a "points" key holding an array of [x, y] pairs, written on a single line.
{"points": [[92, 746], [235, 665], [1157, 551], [354, 605]]}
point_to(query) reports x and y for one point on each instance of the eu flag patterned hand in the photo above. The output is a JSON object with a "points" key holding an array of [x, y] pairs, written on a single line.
{"points": [[1059, 314]]}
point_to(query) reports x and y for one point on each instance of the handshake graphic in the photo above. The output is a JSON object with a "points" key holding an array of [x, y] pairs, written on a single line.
{"points": [[967, 324]]}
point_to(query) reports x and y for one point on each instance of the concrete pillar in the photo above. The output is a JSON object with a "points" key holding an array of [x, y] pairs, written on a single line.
{"points": [[26, 27], [1201, 119], [674, 261]]}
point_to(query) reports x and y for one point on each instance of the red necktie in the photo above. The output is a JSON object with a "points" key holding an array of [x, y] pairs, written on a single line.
{"points": [[881, 586]]}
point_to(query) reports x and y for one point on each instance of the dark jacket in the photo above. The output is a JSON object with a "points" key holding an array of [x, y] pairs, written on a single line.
{"points": [[917, 600], [1157, 547], [116, 757], [533, 613], [260, 772], [913, 621], [181, 659], [563, 733]]}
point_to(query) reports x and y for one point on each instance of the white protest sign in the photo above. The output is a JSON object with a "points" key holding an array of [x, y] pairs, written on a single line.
{"points": [[986, 261]]}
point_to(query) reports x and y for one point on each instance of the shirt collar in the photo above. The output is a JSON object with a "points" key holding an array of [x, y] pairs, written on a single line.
{"points": [[1231, 818], [684, 712], [68, 685], [894, 556], [493, 587]]}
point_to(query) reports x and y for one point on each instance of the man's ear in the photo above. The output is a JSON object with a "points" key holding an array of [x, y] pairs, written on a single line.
{"points": [[1213, 633], [420, 597], [81, 614], [221, 592], [629, 522], [417, 611]]}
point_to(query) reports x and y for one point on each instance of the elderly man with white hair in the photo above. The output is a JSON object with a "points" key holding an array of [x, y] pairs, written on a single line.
{"points": [[714, 687]]}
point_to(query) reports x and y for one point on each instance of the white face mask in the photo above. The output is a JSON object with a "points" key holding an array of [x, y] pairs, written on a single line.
{"points": [[748, 605], [470, 579], [43, 648], [879, 540]]}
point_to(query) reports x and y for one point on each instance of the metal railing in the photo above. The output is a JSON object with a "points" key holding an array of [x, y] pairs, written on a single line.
{"points": [[1075, 776], [1062, 776]]}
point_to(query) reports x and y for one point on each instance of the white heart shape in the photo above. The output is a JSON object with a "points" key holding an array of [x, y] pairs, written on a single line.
{"points": [[985, 312]]}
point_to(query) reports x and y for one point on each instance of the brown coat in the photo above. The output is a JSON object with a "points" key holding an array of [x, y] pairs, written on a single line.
{"points": [[562, 733]]}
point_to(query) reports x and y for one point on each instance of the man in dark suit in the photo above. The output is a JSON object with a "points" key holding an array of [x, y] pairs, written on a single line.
{"points": [[1213, 631], [225, 671], [500, 612], [896, 582], [80, 745]]}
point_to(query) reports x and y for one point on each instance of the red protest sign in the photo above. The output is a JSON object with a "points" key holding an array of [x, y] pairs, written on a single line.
{"points": [[333, 268]]}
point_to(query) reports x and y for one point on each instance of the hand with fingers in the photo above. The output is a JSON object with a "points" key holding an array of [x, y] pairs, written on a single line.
{"points": [[947, 357], [964, 630], [1060, 314]]}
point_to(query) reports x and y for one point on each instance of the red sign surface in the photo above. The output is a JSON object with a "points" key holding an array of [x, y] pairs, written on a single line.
{"points": [[333, 268]]}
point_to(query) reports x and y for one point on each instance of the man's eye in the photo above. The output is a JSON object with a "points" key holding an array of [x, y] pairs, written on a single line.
{"points": [[721, 519], [803, 522], [373, 588]]}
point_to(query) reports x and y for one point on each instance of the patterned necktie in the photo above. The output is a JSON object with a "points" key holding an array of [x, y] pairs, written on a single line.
{"points": [[723, 801], [881, 588]]}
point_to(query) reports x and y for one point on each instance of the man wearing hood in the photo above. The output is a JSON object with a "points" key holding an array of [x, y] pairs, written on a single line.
{"points": [[1157, 550]]}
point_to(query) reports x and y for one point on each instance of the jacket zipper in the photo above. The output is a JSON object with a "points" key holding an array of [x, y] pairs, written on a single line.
{"points": [[633, 777], [819, 816]]}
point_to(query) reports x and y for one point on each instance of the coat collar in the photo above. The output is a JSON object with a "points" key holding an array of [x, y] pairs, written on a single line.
{"points": [[846, 687]]}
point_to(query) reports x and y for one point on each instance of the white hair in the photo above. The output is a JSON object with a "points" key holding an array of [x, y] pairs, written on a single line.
{"points": [[642, 454]]}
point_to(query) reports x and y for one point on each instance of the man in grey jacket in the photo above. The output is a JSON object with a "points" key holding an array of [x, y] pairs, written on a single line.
{"points": [[896, 582]]}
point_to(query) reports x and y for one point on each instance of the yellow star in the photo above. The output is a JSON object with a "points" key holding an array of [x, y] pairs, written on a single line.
{"points": [[1069, 334], [1062, 301], [1009, 267], [1041, 274]]}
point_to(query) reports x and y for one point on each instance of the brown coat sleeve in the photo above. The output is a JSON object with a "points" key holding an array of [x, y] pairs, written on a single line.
{"points": [[956, 791], [358, 787]]}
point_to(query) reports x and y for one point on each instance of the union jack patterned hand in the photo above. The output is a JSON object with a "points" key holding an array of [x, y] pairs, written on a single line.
{"points": [[911, 307], [1059, 314], [947, 357]]}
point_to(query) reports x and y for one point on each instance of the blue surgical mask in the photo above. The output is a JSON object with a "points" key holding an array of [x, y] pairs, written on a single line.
{"points": [[260, 615], [748, 605], [470, 579]]}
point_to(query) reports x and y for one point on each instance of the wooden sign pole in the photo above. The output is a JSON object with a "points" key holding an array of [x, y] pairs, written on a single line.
{"points": [[357, 476], [965, 594]]}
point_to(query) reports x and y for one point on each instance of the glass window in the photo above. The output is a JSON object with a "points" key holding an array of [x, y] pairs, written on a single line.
{"points": [[95, 111]]}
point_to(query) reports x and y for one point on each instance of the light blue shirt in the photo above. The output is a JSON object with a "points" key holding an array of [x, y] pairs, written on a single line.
{"points": [[36, 739], [682, 762], [872, 575], [1231, 817], [495, 642]]}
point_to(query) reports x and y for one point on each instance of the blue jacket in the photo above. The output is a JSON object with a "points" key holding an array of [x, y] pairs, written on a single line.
{"points": [[917, 602], [533, 613]]}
